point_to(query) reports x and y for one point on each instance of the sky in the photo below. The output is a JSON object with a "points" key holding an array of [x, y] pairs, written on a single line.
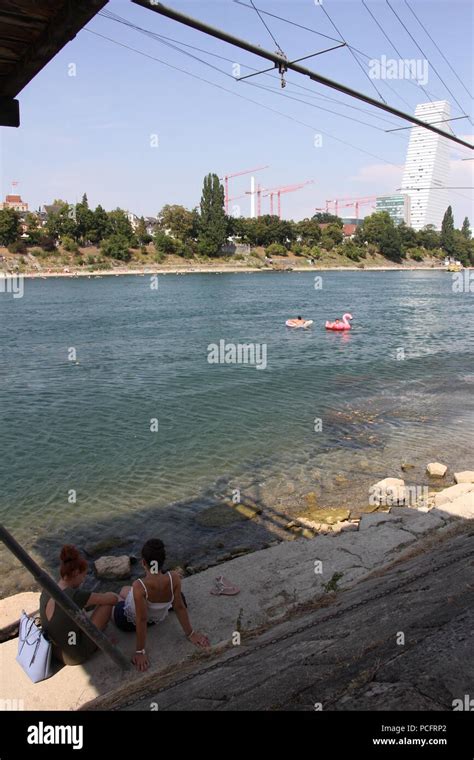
{"points": [[133, 132]]}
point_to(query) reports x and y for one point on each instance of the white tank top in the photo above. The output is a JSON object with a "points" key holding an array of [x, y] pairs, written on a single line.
{"points": [[157, 611]]}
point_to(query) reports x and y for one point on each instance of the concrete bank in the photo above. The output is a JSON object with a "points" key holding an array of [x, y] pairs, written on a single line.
{"points": [[274, 583]]}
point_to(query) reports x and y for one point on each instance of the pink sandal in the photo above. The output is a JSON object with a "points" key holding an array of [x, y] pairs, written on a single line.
{"points": [[224, 587]]}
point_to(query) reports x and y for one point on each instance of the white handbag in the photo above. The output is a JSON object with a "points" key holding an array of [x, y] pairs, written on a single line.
{"points": [[34, 650]]}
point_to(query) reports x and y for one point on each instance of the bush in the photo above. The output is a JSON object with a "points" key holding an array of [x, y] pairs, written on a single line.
{"points": [[165, 243], [276, 249], [48, 243], [116, 247], [316, 252], [187, 252], [19, 246], [416, 254], [38, 252], [70, 245], [297, 249], [159, 257]]}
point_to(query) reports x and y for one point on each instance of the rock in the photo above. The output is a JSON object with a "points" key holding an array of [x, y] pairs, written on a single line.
{"points": [[226, 513], [112, 568], [376, 519], [310, 499], [190, 569], [436, 470], [10, 612], [389, 492], [340, 480], [464, 477], [452, 493], [113, 542], [328, 515], [346, 527], [462, 506], [307, 533], [407, 466], [180, 570]]}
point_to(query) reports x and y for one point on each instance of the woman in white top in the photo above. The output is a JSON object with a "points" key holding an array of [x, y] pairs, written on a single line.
{"points": [[149, 600]]}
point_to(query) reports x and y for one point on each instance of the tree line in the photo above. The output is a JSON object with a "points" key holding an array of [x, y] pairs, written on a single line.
{"points": [[205, 230]]}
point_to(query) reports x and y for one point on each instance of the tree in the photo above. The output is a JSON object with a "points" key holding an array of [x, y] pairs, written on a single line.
{"points": [[428, 237], [447, 232], [466, 229], [308, 230], [119, 224], [408, 236], [116, 247], [165, 243], [85, 221], [324, 217], [101, 226], [178, 221], [213, 221], [61, 220], [32, 229], [141, 234], [9, 226]]}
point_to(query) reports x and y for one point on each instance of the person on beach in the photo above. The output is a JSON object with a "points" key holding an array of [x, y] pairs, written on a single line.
{"points": [[149, 600], [71, 645]]}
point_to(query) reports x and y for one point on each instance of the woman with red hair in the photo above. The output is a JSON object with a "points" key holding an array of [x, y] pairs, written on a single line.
{"points": [[70, 644]]}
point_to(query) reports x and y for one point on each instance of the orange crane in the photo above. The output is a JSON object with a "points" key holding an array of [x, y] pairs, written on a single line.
{"points": [[227, 177], [355, 202], [278, 191]]}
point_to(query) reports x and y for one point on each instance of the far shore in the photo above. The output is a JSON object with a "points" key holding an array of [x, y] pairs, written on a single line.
{"points": [[218, 269]]}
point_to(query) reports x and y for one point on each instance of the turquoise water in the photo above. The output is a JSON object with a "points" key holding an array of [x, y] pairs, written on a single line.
{"points": [[142, 354]]}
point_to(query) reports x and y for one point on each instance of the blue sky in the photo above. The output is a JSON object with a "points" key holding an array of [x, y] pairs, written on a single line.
{"points": [[95, 131]]}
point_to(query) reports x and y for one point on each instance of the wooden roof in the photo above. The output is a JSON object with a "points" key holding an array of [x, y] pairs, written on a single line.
{"points": [[32, 32]]}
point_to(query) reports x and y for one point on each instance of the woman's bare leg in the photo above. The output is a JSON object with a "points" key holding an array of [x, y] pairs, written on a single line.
{"points": [[101, 616]]}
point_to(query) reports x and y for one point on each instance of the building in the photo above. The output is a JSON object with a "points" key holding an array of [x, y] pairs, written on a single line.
{"points": [[15, 202], [427, 167], [352, 220], [398, 206]]}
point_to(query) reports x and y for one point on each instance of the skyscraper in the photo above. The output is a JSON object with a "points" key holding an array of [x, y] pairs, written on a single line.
{"points": [[427, 167]]}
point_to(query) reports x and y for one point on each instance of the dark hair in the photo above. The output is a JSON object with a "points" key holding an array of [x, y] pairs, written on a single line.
{"points": [[154, 551], [71, 561]]}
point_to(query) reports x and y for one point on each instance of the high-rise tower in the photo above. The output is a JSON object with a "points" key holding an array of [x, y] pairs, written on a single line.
{"points": [[427, 167]]}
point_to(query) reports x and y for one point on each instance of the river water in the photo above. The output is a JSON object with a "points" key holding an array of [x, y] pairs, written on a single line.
{"points": [[115, 425]]}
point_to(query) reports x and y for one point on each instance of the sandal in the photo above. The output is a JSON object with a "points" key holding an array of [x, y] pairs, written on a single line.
{"points": [[223, 587]]}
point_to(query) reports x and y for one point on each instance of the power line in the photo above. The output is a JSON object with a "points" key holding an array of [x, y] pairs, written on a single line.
{"points": [[334, 39], [266, 27], [242, 97], [277, 59], [438, 49], [165, 40], [425, 56], [353, 54]]}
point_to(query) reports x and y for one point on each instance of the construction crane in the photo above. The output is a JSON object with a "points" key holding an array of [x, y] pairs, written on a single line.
{"points": [[278, 191], [227, 177], [355, 202]]}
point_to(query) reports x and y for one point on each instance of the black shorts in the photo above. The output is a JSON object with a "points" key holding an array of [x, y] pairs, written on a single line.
{"points": [[121, 620]]}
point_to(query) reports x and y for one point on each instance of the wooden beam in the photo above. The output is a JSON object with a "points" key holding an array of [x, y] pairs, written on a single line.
{"points": [[9, 112]]}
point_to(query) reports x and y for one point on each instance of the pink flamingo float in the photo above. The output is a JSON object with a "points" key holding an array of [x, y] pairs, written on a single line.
{"points": [[338, 325]]}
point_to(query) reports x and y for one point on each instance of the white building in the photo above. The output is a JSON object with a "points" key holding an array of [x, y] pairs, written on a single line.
{"points": [[427, 167]]}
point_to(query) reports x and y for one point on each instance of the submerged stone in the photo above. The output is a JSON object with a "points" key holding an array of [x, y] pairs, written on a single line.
{"points": [[226, 513]]}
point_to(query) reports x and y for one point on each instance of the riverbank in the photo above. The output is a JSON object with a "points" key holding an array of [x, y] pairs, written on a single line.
{"points": [[276, 584]]}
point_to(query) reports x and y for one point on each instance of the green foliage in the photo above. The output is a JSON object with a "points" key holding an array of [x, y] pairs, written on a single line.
{"points": [[61, 221], [69, 245], [165, 243], [213, 221], [119, 225], [159, 257], [276, 249], [116, 247], [101, 225], [466, 229], [19, 246], [9, 226], [48, 244], [416, 254], [308, 230], [141, 234], [447, 232], [180, 222], [325, 217], [32, 229], [428, 238], [316, 252], [380, 229], [408, 236], [353, 251]]}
